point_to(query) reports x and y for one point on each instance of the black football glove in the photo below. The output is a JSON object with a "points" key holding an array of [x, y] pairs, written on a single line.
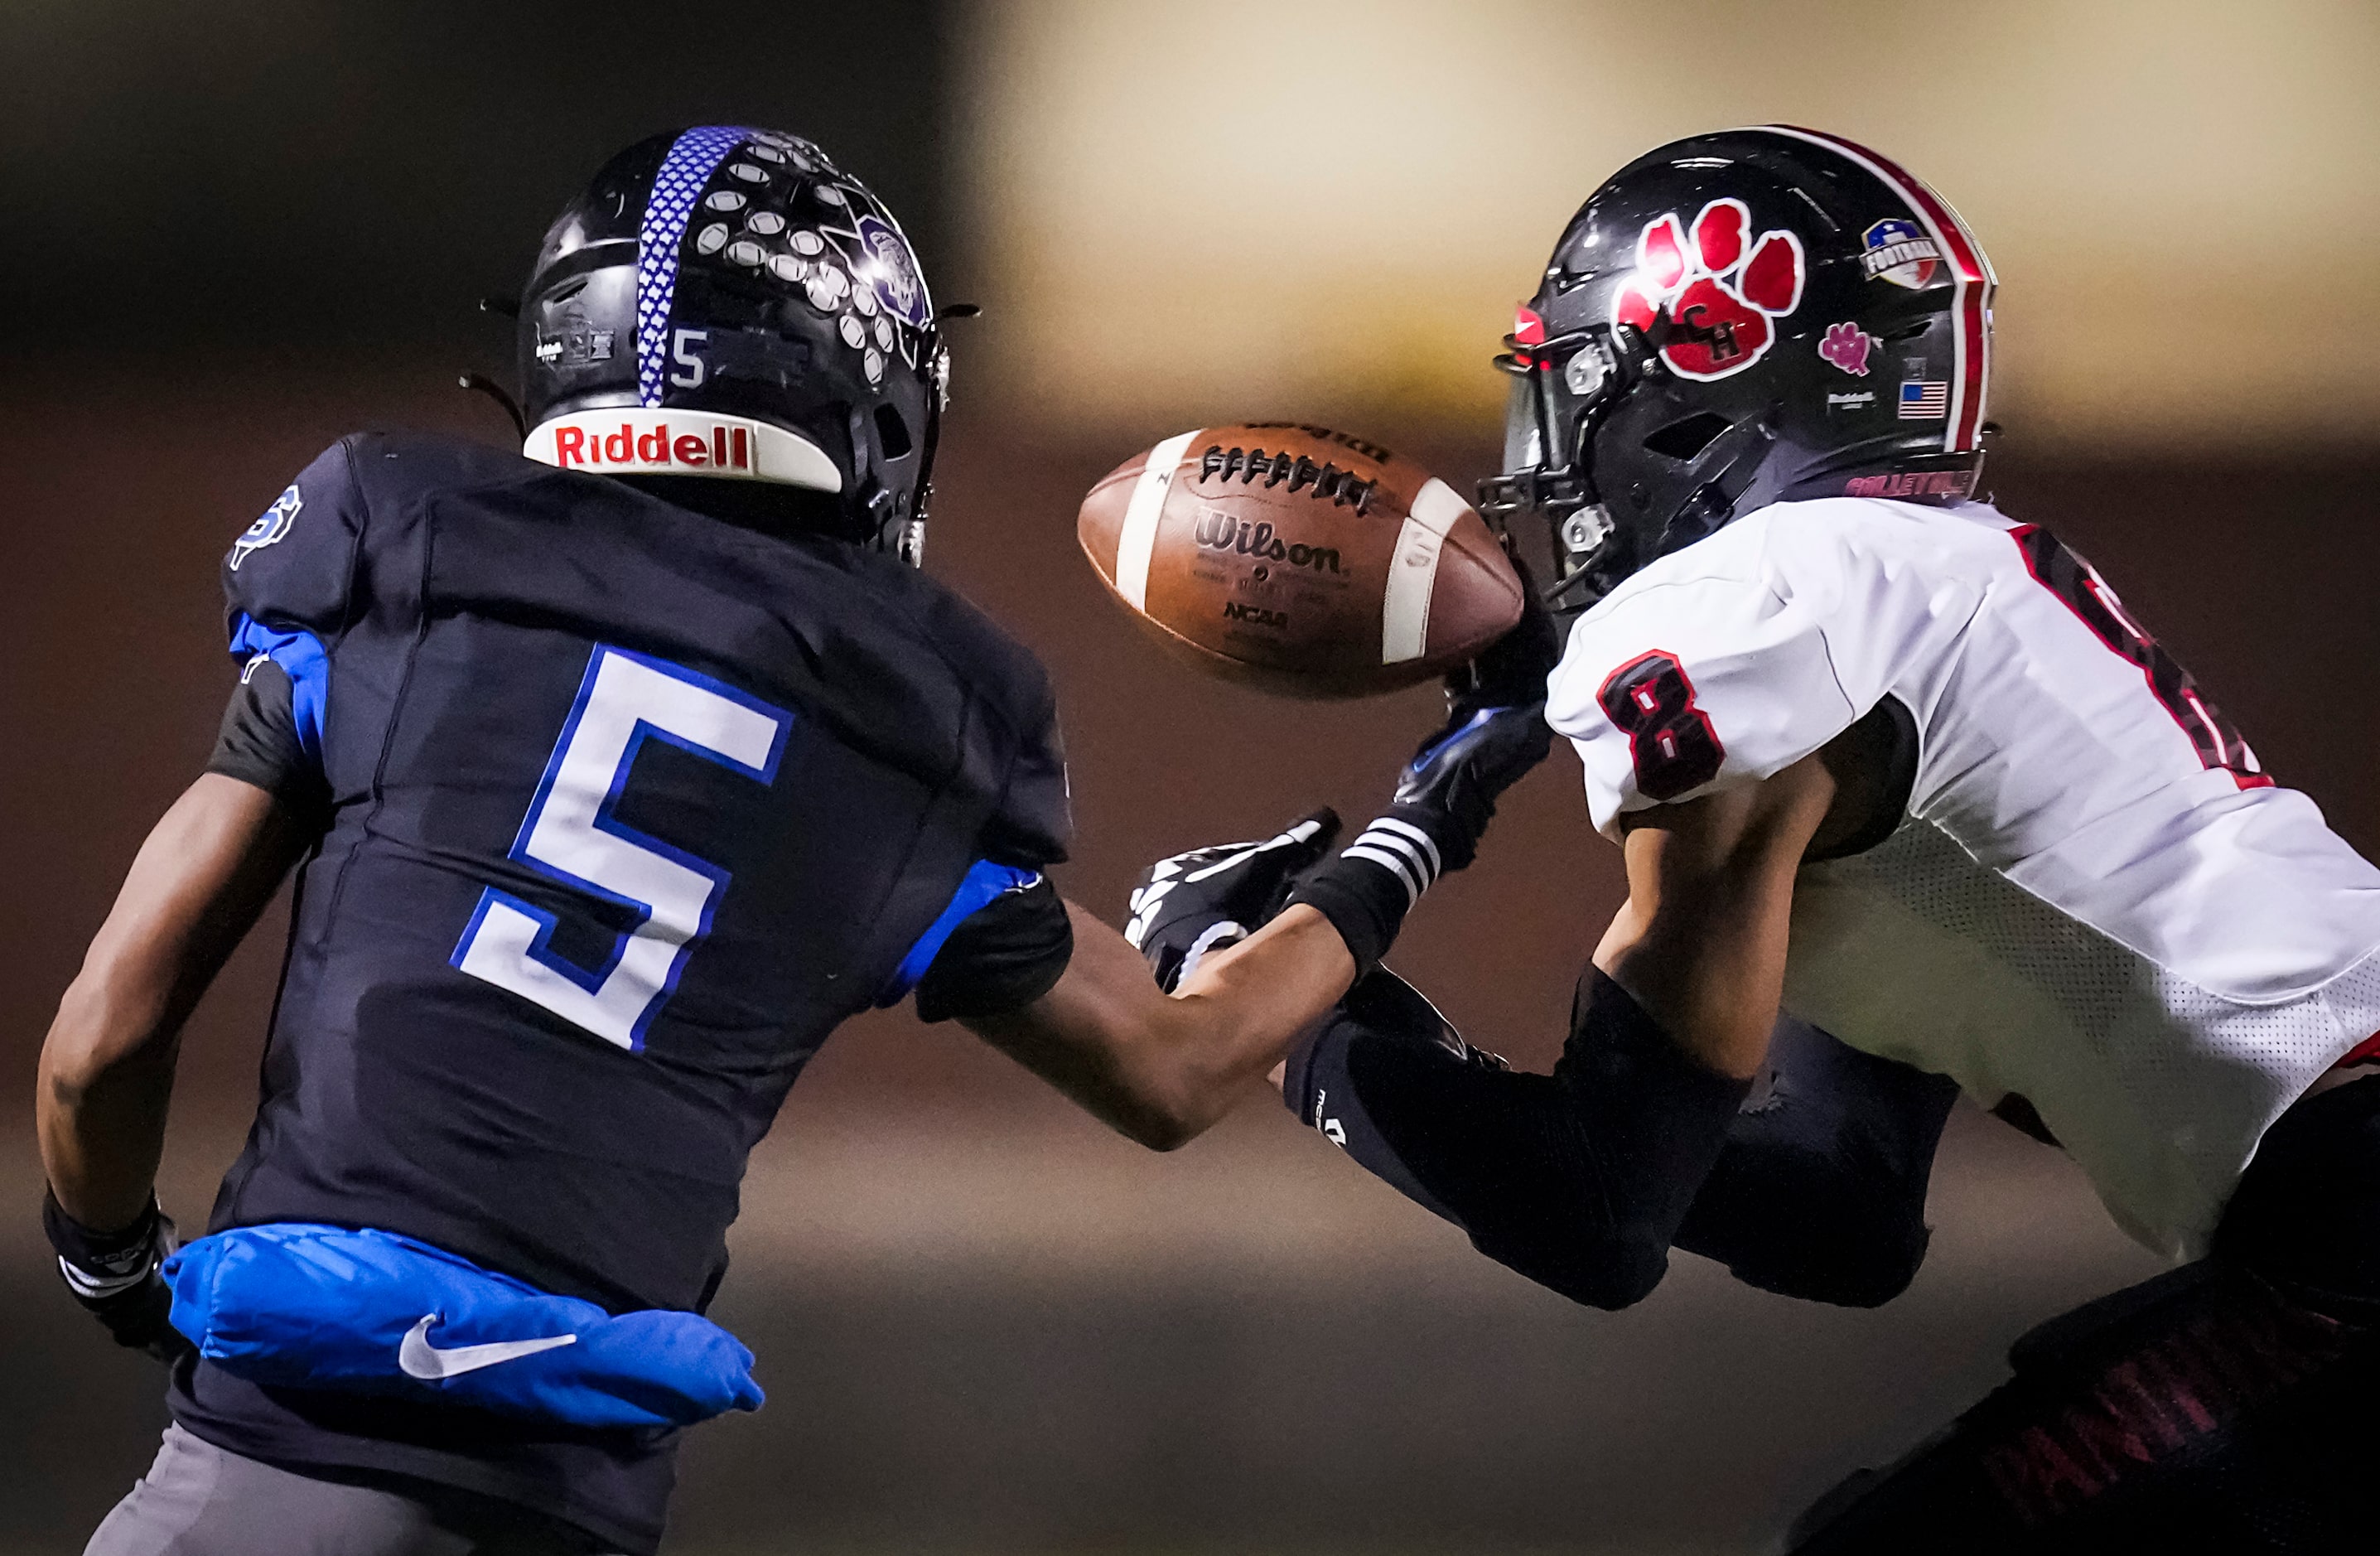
{"points": [[1495, 731], [1185, 907], [118, 1278]]}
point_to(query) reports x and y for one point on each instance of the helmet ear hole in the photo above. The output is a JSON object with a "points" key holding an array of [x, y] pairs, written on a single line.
{"points": [[1683, 440], [892, 433]]}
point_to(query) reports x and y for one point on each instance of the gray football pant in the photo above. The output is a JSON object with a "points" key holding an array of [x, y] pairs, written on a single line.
{"points": [[198, 1500]]}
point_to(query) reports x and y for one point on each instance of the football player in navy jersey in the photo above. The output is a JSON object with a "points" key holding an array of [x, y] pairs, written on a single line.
{"points": [[615, 777], [1885, 759]]}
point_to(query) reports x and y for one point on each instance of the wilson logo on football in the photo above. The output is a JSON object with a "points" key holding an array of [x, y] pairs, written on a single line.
{"points": [[1711, 302]]}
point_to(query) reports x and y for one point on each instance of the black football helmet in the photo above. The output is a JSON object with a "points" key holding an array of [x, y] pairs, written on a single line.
{"points": [[1736, 319], [725, 302]]}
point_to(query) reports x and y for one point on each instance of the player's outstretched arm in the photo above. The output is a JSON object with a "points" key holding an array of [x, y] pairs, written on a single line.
{"points": [[1162, 1059], [205, 872], [1161, 1068], [1582, 1179]]}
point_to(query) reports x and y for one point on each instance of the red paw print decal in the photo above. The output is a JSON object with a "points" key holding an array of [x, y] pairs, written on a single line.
{"points": [[1711, 303]]}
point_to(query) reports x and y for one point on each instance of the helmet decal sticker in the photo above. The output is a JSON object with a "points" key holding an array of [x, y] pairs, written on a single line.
{"points": [[1709, 304], [1847, 346], [768, 176], [1925, 399], [1900, 253], [1718, 233], [579, 343], [826, 288], [892, 272], [1971, 282], [675, 188], [1661, 253]]}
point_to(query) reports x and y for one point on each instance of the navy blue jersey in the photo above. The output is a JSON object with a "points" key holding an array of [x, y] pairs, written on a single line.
{"points": [[627, 808]]}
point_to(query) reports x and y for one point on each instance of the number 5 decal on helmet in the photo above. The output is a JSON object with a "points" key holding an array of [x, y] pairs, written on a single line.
{"points": [[1672, 742]]}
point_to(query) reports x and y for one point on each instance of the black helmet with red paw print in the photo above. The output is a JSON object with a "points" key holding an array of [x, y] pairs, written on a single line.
{"points": [[1736, 319]]}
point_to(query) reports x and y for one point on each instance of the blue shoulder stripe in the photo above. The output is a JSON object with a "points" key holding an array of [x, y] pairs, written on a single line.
{"points": [[984, 882]]}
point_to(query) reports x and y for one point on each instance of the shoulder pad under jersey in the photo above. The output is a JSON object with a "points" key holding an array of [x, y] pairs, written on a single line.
{"points": [[1709, 669]]}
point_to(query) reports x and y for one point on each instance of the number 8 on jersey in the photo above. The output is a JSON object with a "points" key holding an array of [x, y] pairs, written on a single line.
{"points": [[1651, 701]]}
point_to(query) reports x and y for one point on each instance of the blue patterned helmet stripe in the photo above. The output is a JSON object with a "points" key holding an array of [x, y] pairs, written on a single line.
{"points": [[676, 187]]}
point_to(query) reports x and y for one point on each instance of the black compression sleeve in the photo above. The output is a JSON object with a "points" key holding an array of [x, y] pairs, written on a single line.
{"points": [[1006, 954], [258, 742], [1820, 1190], [1577, 1180]]}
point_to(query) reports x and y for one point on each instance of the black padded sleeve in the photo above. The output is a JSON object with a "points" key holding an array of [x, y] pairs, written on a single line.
{"points": [[1577, 1180], [1820, 1191], [1005, 954], [258, 743]]}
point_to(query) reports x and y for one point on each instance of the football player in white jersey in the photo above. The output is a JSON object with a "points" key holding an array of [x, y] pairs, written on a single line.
{"points": [[1906, 769]]}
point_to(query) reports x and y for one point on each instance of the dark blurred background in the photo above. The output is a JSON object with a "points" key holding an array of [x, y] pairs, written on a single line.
{"points": [[236, 232]]}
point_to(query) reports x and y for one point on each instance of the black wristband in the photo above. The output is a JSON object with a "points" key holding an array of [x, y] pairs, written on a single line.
{"points": [[106, 1261], [1365, 902]]}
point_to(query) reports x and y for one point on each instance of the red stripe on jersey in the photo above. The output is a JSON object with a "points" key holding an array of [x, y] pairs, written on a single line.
{"points": [[1971, 279]]}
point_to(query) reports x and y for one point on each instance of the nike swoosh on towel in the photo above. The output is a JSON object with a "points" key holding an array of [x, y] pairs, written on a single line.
{"points": [[419, 1358]]}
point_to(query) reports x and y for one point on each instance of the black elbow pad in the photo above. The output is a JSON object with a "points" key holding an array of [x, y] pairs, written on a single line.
{"points": [[1617, 1270], [1820, 1192]]}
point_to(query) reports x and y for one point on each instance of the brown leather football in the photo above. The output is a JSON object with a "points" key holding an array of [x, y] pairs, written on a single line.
{"points": [[1304, 561]]}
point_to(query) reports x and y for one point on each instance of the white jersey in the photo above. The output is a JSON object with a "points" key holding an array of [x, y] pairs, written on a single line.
{"points": [[2096, 898]]}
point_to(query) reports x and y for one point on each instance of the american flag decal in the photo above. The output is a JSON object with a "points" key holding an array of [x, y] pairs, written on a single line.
{"points": [[1927, 401]]}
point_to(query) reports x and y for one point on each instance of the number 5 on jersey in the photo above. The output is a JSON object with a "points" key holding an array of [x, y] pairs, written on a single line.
{"points": [[572, 835], [1650, 700]]}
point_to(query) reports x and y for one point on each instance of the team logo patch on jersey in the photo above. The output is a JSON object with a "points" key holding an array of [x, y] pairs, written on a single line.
{"points": [[893, 273], [1710, 301], [1847, 346], [1898, 251], [270, 529]]}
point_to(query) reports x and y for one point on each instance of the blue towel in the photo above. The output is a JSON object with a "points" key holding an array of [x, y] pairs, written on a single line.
{"points": [[327, 1307]]}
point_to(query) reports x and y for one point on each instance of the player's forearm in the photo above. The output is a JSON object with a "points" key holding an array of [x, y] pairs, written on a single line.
{"points": [[1236, 1015], [107, 1065], [102, 1123], [1161, 1069]]}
